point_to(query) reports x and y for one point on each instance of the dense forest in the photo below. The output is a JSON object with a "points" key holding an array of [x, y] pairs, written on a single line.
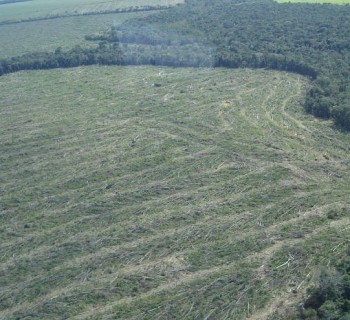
{"points": [[309, 39]]}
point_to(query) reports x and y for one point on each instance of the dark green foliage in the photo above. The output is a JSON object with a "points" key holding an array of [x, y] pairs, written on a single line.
{"points": [[341, 115], [330, 299], [318, 104], [103, 54]]}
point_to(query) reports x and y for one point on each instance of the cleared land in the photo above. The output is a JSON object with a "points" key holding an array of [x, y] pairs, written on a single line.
{"points": [[46, 8], [158, 193], [63, 32]]}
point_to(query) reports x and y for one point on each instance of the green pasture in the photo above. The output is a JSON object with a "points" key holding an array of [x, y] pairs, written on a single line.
{"points": [[160, 193], [45, 8], [67, 32]]}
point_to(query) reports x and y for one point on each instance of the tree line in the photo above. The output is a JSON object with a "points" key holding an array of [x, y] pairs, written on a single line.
{"points": [[107, 54]]}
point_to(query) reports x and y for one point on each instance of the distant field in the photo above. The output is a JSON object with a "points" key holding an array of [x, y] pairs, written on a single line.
{"points": [[159, 193], [42, 8], [21, 38], [3, 2], [316, 1]]}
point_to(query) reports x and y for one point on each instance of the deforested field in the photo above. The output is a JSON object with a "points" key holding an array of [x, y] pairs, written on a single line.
{"points": [[162, 193]]}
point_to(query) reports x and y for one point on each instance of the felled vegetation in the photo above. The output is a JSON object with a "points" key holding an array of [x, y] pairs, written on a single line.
{"points": [[144, 192]]}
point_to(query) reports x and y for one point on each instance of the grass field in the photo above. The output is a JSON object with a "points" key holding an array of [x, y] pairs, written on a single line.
{"points": [[42, 8], [63, 32], [158, 193]]}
